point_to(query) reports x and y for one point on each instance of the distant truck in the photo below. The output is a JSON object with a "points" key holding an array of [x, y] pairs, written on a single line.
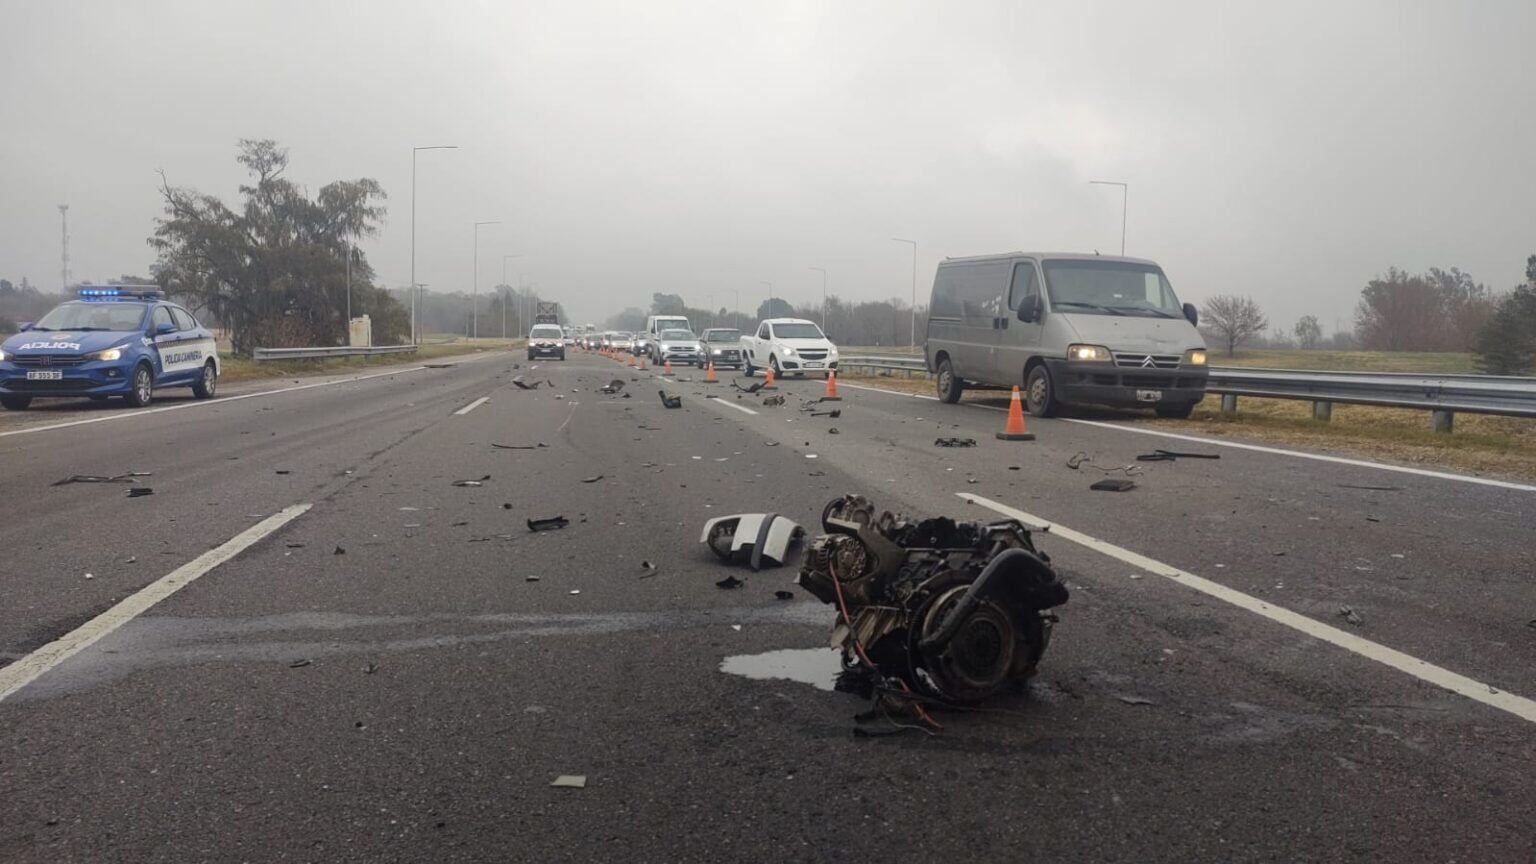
{"points": [[788, 346]]}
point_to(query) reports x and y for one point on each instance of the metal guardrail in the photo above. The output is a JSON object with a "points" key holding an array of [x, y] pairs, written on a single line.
{"points": [[1443, 395], [264, 354]]}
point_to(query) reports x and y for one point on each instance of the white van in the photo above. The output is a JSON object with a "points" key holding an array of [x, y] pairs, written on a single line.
{"points": [[1076, 329]]}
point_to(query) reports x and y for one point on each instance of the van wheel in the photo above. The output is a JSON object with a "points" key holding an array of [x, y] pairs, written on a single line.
{"points": [[950, 385], [1175, 412], [1040, 393], [208, 384]]}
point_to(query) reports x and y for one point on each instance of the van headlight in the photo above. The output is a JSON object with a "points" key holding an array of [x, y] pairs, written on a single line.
{"points": [[1194, 357], [1088, 353]]}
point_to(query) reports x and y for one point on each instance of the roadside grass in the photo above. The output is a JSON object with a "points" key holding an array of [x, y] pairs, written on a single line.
{"points": [[1481, 444], [238, 368]]}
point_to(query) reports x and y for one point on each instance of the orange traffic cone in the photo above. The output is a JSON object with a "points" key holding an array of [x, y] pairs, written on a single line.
{"points": [[668, 370], [831, 395], [631, 361], [709, 377], [768, 378], [1014, 429], [642, 363]]}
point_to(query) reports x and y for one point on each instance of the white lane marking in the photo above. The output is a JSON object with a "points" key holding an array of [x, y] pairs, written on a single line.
{"points": [[1320, 457], [1477, 691], [34, 665], [1257, 448], [733, 405], [472, 406], [568, 416], [204, 403]]}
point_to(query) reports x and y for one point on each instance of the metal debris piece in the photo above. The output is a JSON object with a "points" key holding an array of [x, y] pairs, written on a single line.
{"points": [[945, 609], [1080, 459], [93, 478], [550, 524], [954, 442], [472, 483], [140, 492], [1113, 484], [1172, 455], [571, 781], [774, 400], [1351, 616], [757, 537], [670, 401]]}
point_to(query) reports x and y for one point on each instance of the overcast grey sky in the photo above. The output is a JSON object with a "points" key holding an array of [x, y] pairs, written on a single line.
{"points": [[1285, 150]]}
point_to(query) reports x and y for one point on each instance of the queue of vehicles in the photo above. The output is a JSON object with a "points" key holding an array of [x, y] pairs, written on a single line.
{"points": [[1065, 328]]}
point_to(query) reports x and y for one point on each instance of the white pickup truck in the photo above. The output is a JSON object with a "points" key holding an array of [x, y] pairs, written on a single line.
{"points": [[789, 346]]}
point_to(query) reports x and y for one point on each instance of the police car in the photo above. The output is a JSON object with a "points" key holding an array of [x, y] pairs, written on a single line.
{"points": [[113, 340]]}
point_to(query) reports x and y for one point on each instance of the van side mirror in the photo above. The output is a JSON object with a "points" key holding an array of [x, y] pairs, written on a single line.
{"points": [[1031, 310], [1192, 314]]}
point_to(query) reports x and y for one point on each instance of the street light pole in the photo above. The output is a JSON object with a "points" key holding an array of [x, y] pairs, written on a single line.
{"points": [[823, 272], [1125, 194], [474, 293], [414, 151], [349, 293], [913, 342], [508, 288]]}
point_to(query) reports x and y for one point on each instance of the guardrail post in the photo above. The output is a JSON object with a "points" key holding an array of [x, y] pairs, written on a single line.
{"points": [[1322, 410], [1229, 403], [1442, 421]]}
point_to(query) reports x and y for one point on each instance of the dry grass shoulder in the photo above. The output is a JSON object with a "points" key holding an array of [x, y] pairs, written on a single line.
{"points": [[236, 368]]}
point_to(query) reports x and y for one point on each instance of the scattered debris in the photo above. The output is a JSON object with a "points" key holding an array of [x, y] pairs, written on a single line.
{"points": [[1080, 458], [282, 471], [834, 413], [774, 400], [530, 578], [140, 492], [301, 663], [953, 610], [370, 668], [770, 443], [1135, 700], [612, 387], [551, 524], [783, 595], [758, 537], [575, 591], [832, 430], [522, 385], [518, 446], [591, 479], [729, 582], [472, 483], [571, 781], [1351, 616], [669, 400], [752, 388], [954, 442], [1172, 455], [1373, 518], [92, 478], [339, 551], [1113, 484]]}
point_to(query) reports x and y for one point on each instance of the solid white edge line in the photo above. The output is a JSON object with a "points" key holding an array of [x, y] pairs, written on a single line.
{"points": [[34, 665], [204, 403], [1257, 448], [472, 406], [1425, 671]]}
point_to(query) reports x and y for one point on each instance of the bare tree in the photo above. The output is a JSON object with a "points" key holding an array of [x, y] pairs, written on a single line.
{"points": [[1233, 319], [1308, 332]]}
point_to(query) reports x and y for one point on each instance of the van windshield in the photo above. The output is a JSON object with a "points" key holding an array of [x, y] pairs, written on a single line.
{"points": [[1110, 288]]}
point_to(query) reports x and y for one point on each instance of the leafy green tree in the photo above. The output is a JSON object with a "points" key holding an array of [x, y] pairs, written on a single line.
{"points": [[1308, 332], [667, 304], [274, 269]]}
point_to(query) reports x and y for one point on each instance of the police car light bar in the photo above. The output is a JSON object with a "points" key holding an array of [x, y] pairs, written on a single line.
{"points": [[140, 291]]}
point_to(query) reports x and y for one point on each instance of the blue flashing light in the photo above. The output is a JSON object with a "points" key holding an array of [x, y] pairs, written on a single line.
{"points": [[113, 291]]}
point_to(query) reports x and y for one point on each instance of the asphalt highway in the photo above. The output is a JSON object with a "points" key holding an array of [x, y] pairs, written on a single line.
{"points": [[1265, 657]]}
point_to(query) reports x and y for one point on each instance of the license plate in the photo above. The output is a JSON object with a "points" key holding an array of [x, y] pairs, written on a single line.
{"points": [[813, 365], [44, 375], [1149, 395]]}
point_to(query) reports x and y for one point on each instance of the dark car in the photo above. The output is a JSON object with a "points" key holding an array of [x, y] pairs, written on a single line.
{"points": [[721, 346]]}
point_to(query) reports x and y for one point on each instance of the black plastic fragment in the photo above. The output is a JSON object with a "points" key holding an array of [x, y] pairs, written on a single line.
{"points": [[550, 524], [1113, 484]]}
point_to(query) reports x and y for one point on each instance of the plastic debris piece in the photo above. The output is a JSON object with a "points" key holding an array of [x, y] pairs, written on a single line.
{"points": [[1135, 700], [571, 781], [1113, 484], [140, 492], [783, 595], [1351, 616], [301, 663], [480, 482], [954, 442], [339, 551], [575, 590], [519, 446], [530, 578], [670, 401], [729, 582], [127, 477], [1172, 455], [550, 524], [592, 479]]}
